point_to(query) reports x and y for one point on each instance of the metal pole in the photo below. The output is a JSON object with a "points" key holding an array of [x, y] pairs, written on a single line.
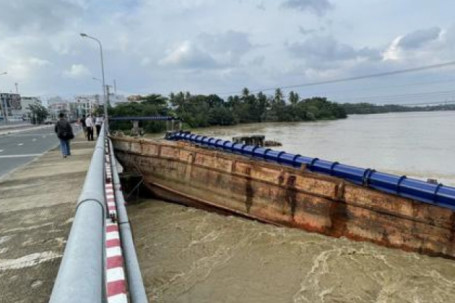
{"points": [[133, 271], [102, 86], [5, 118], [107, 97], [102, 70]]}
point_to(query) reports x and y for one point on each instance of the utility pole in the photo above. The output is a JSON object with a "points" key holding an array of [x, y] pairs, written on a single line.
{"points": [[17, 87], [3, 103], [102, 69], [107, 98], [4, 109]]}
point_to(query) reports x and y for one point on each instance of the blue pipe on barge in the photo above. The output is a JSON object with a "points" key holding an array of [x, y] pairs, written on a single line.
{"points": [[435, 194]]}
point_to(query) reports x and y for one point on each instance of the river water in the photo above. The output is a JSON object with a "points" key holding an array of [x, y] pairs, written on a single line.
{"points": [[190, 255]]}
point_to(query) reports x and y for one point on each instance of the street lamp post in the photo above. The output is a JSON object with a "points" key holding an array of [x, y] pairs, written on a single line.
{"points": [[102, 70], [4, 103], [104, 88]]}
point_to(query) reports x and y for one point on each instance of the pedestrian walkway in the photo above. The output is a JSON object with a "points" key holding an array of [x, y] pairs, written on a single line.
{"points": [[37, 204]]}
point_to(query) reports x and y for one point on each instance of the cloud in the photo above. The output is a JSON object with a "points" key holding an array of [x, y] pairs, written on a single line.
{"points": [[229, 46], [305, 31], [209, 51], [77, 71], [37, 15], [318, 7], [26, 67], [261, 6], [419, 38], [322, 50], [187, 55], [208, 45], [257, 61]]}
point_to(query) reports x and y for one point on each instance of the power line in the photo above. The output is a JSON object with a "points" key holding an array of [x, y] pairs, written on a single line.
{"points": [[377, 75], [384, 87]]}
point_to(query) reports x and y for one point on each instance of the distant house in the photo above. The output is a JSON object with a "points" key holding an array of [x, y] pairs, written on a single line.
{"points": [[10, 106]]}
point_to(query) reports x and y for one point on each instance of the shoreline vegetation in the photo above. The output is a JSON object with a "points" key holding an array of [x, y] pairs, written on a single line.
{"points": [[199, 111]]}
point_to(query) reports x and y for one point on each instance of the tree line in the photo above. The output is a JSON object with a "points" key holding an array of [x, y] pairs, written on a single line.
{"points": [[211, 110], [368, 108]]}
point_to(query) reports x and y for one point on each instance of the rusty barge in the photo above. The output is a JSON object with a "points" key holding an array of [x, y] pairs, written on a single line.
{"points": [[300, 196]]}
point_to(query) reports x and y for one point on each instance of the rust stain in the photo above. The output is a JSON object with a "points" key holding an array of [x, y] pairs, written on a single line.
{"points": [[249, 192], [288, 196], [291, 195]]}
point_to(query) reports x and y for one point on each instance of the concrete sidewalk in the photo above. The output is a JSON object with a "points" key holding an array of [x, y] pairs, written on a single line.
{"points": [[37, 204]]}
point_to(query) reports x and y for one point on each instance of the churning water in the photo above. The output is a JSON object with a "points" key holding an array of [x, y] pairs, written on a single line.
{"points": [[190, 255]]}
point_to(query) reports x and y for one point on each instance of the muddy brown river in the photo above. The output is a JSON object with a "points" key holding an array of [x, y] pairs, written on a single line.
{"points": [[190, 255]]}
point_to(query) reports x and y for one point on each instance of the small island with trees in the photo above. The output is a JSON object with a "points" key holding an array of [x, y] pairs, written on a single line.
{"points": [[210, 110], [198, 111]]}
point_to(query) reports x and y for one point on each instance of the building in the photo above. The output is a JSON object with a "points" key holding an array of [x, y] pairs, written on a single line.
{"points": [[114, 100], [10, 103], [25, 111], [16, 107], [134, 98], [86, 104], [55, 109]]}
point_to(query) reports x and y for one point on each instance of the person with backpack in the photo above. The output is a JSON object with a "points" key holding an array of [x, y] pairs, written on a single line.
{"points": [[84, 127], [64, 132]]}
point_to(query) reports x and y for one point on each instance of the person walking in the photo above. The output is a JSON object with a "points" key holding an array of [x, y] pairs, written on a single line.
{"points": [[89, 124], [64, 132], [98, 122], [84, 127]]}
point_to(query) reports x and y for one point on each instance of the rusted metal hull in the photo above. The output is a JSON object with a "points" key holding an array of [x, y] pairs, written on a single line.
{"points": [[287, 196]]}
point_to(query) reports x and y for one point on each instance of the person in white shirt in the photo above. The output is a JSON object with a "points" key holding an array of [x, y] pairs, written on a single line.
{"points": [[98, 122], [89, 124]]}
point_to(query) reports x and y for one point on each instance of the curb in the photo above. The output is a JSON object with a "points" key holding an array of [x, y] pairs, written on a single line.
{"points": [[116, 290]]}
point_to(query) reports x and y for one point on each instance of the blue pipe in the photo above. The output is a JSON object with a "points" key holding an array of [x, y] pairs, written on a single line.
{"points": [[146, 118], [435, 194]]}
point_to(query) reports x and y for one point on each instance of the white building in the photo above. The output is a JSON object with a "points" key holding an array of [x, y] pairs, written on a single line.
{"points": [[55, 109], [86, 104], [25, 109], [117, 99]]}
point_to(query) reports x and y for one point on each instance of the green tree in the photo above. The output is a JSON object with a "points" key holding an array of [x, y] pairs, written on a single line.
{"points": [[38, 113], [278, 98], [293, 98]]}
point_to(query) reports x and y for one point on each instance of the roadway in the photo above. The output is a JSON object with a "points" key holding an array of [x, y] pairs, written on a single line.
{"points": [[17, 149]]}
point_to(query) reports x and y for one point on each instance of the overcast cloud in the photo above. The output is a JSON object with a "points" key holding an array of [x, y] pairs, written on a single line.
{"points": [[209, 46], [319, 7], [419, 37]]}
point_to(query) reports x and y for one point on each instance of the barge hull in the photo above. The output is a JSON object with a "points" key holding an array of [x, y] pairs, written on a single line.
{"points": [[287, 196]]}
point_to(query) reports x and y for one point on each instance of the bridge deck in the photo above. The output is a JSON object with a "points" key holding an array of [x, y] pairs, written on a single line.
{"points": [[37, 204]]}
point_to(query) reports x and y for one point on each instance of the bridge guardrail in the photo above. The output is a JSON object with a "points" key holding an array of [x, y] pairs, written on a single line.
{"points": [[134, 277], [81, 276]]}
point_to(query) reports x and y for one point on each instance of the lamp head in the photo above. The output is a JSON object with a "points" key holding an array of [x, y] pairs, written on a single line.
{"points": [[83, 35]]}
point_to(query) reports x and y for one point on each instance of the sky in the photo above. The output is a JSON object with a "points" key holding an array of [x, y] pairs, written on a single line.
{"points": [[208, 46]]}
